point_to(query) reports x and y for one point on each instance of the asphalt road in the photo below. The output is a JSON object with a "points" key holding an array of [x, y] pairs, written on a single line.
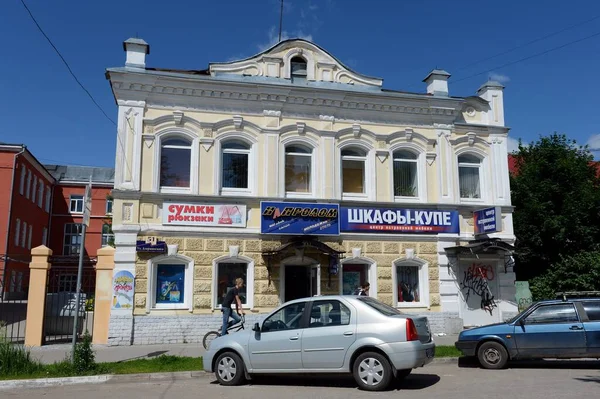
{"points": [[547, 381]]}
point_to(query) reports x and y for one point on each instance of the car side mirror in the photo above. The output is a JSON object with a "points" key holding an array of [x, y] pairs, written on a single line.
{"points": [[256, 327], [522, 322]]}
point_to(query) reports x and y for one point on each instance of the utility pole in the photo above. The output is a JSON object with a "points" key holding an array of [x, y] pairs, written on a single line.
{"points": [[86, 222], [280, 19]]}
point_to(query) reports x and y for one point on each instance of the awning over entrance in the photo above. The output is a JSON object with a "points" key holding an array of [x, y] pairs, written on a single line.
{"points": [[299, 245], [487, 246]]}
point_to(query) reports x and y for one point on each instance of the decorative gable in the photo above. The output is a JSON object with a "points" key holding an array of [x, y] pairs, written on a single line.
{"points": [[276, 62]]}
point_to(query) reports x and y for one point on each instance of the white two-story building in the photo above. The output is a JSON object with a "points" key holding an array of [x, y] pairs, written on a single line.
{"points": [[304, 177]]}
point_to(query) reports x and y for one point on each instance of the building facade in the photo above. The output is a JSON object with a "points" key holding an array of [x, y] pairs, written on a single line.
{"points": [[25, 204], [303, 177]]}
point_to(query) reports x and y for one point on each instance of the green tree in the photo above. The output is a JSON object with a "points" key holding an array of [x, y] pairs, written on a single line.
{"points": [[555, 192], [580, 272]]}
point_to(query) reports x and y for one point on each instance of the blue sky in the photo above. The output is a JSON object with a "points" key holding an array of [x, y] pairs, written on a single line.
{"points": [[399, 40]]}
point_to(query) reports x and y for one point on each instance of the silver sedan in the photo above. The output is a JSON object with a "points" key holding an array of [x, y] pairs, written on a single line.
{"points": [[326, 334]]}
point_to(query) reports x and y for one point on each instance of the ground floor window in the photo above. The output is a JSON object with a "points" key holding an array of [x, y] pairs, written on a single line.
{"points": [[227, 270], [411, 283], [353, 276], [171, 282]]}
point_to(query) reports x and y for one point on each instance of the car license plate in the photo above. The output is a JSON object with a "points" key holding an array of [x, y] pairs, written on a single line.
{"points": [[429, 353]]}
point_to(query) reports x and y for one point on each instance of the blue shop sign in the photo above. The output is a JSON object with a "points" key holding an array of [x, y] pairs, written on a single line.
{"points": [[488, 220], [394, 220], [299, 218], [151, 246]]}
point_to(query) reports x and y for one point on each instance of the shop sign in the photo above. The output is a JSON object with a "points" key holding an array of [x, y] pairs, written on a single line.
{"points": [[193, 214], [488, 220], [151, 245], [394, 220], [123, 290], [299, 218]]}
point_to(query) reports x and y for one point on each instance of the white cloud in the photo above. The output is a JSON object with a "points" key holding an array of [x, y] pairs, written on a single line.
{"points": [[274, 37], [594, 142], [499, 77], [513, 145]]}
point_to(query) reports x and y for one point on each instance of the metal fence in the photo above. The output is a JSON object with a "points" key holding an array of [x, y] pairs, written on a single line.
{"points": [[61, 294], [13, 304]]}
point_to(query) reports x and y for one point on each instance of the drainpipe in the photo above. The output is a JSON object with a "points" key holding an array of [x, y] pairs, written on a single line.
{"points": [[12, 186]]}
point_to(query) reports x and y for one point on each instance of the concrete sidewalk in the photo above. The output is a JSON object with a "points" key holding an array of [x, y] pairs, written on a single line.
{"points": [[54, 353]]}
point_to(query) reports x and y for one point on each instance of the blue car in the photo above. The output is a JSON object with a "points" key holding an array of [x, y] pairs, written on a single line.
{"points": [[557, 329]]}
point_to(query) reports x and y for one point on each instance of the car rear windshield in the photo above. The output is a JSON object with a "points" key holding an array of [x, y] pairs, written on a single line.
{"points": [[379, 306]]}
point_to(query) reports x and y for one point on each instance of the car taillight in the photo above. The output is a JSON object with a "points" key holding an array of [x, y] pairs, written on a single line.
{"points": [[411, 331]]}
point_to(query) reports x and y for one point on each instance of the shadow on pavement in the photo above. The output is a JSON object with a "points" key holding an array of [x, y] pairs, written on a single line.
{"points": [[464, 362], [589, 378], [412, 382]]}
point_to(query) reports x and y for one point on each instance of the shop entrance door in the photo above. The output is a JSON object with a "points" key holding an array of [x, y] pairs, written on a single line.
{"points": [[301, 282], [479, 299]]}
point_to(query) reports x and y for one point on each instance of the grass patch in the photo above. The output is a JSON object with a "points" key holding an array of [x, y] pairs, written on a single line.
{"points": [[160, 364], [447, 351]]}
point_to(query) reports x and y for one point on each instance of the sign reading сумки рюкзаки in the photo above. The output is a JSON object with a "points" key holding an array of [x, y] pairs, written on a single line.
{"points": [[394, 220], [195, 214], [488, 220]]}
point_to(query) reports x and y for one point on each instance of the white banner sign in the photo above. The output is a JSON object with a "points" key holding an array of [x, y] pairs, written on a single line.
{"points": [[192, 214]]}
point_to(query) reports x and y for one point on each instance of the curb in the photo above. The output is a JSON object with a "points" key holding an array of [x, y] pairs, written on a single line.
{"points": [[122, 378]]}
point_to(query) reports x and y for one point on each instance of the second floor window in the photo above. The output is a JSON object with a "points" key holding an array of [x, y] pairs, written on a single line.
{"points": [[175, 162], [72, 239], [298, 168], [109, 206], [107, 235], [235, 165], [76, 205], [353, 171], [469, 176], [405, 174]]}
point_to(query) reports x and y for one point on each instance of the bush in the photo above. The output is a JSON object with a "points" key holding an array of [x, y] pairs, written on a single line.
{"points": [[84, 359]]}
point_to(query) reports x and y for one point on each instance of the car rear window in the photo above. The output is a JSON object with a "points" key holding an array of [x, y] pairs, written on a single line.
{"points": [[593, 310], [379, 306]]}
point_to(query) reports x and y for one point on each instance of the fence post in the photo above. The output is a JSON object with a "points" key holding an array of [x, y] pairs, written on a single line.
{"points": [[36, 299], [103, 296]]}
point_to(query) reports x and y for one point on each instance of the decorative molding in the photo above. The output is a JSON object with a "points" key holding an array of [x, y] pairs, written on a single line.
{"points": [[329, 118], [148, 139], [238, 120], [497, 140], [270, 112], [430, 157], [207, 143], [301, 126], [381, 144], [172, 249], [382, 155], [443, 126], [234, 251], [410, 253], [409, 134], [471, 137], [470, 111], [178, 117], [127, 212], [356, 252], [356, 130], [208, 132], [148, 128]]}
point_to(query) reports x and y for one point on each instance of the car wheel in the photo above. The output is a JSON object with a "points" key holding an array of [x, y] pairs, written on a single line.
{"points": [[372, 371], [492, 355], [402, 374], [229, 369]]}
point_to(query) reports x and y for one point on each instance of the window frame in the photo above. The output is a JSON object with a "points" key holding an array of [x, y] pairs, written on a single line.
{"points": [[70, 235], [30, 233], [45, 236], [106, 236], [194, 161], [28, 190], [188, 292], [34, 189], [17, 237], [244, 139], [421, 178], [111, 202], [369, 170], [40, 199], [249, 281], [342, 305], [313, 168], [423, 272], [481, 171], [23, 234], [76, 202]]}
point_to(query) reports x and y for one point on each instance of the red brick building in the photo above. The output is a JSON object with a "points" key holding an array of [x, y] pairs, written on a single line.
{"points": [[25, 207], [43, 204]]}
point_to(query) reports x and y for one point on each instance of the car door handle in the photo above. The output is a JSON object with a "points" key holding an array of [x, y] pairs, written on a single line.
{"points": [[293, 338], [348, 333], [575, 328]]}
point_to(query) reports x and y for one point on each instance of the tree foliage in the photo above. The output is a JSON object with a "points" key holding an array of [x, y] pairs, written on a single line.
{"points": [[557, 204]]}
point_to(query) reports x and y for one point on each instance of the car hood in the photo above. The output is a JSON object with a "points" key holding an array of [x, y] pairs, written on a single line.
{"points": [[231, 339], [490, 329]]}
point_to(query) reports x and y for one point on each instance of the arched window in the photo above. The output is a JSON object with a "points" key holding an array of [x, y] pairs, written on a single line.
{"points": [[469, 176], [225, 271], [235, 165], [298, 169], [411, 283], [405, 174], [354, 170], [298, 69], [175, 162], [170, 284]]}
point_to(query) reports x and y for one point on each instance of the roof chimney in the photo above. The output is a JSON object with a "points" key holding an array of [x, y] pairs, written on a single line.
{"points": [[493, 93], [136, 50], [437, 82]]}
